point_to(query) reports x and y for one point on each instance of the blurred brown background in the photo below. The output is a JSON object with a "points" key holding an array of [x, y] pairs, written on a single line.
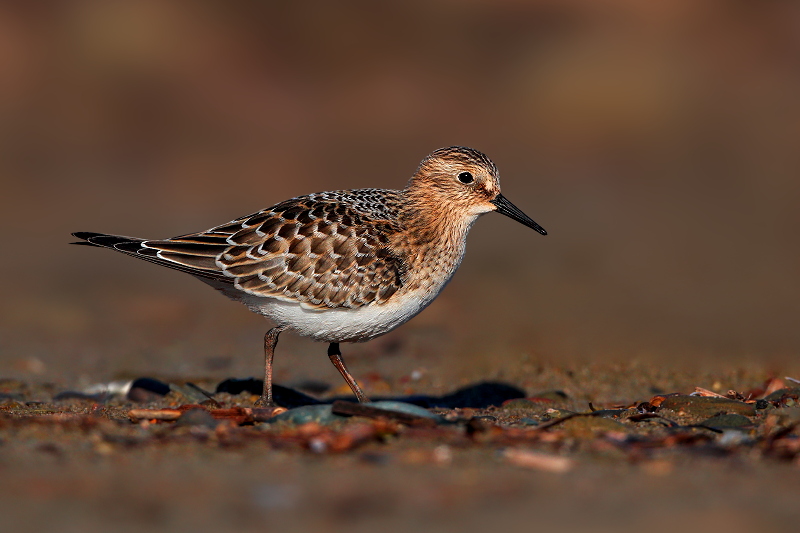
{"points": [[657, 142]]}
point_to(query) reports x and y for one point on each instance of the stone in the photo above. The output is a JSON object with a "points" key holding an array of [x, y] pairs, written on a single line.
{"points": [[552, 395], [402, 407], [778, 394], [732, 421], [322, 414], [706, 406]]}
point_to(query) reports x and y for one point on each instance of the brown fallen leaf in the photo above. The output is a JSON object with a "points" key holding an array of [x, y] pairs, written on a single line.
{"points": [[700, 391], [656, 401], [730, 395], [772, 385]]}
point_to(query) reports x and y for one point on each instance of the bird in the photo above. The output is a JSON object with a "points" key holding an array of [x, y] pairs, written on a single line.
{"points": [[340, 266]]}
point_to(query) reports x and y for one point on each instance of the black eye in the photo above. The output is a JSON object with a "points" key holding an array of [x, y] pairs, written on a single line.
{"points": [[465, 177]]}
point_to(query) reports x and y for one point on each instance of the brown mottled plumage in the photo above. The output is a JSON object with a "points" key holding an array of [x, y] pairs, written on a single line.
{"points": [[341, 266], [323, 250]]}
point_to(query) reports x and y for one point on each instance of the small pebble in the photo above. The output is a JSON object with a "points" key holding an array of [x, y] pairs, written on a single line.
{"points": [[553, 395], [727, 422], [322, 414], [402, 407]]}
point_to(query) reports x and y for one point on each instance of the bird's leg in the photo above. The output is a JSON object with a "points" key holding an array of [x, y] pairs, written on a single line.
{"points": [[336, 358], [270, 341]]}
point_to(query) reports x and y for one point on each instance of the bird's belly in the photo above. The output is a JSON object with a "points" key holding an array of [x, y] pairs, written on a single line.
{"points": [[341, 325]]}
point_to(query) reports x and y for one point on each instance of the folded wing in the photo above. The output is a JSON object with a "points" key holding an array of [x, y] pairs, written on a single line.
{"points": [[317, 250]]}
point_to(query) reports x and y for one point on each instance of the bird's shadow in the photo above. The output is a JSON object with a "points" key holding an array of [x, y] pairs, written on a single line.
{"points": [[478, 396]]}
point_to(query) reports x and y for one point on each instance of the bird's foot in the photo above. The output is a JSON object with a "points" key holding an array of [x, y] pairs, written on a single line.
{"points": [[362, 398], [263, 401]]}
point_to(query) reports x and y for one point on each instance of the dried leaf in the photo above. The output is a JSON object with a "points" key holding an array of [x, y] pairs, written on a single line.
{"points": [[700, 391]]}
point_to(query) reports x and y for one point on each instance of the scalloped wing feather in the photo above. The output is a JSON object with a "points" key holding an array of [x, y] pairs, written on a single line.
{"points": [[327, 250]]}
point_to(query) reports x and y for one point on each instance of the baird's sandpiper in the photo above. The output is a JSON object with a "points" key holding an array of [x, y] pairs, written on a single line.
{"points": [[340, 266]]}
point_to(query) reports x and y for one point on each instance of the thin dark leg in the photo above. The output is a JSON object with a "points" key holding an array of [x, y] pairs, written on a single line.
{"points": [[336, 358], [270, 341]]}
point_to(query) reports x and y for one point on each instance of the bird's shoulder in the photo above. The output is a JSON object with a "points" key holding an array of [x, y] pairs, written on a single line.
{"points": [[375, 210]]}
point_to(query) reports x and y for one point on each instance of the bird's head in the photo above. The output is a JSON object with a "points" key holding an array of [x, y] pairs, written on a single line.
{"points": [[463, 181]]}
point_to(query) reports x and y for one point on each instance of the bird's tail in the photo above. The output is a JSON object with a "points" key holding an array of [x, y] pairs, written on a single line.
{"points": [[192, 258]]}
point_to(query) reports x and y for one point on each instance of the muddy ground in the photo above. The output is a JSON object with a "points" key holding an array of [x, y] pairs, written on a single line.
{"points": [[576, 457]]}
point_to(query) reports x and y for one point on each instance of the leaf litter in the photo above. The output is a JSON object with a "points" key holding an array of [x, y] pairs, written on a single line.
{"points": [[547, 431]]}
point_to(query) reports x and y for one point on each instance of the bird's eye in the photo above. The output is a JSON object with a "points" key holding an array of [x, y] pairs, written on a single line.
{"points": [[465, 177]]}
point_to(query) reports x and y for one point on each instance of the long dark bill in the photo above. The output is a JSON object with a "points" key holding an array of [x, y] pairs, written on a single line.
{"points": [[504, 207]]}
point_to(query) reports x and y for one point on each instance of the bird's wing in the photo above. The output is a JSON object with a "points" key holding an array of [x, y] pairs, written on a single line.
{"points": [[316, 250]]}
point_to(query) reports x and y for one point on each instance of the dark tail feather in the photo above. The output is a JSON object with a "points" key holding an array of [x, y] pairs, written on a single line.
{"points": [[134, 247], [103, 239]]}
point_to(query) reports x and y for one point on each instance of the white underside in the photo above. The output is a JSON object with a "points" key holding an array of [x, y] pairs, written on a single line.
{"points": [[340, 325], [337, 325]]}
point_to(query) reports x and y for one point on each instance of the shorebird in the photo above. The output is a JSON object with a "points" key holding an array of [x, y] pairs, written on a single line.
{"points": [[340, 266]]}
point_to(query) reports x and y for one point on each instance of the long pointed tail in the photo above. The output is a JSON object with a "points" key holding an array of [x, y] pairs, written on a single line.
{"points": [[103, 240], [180, 259]]}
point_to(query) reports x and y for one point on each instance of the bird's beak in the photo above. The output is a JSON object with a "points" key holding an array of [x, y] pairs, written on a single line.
{"points": [[508, 209]]}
